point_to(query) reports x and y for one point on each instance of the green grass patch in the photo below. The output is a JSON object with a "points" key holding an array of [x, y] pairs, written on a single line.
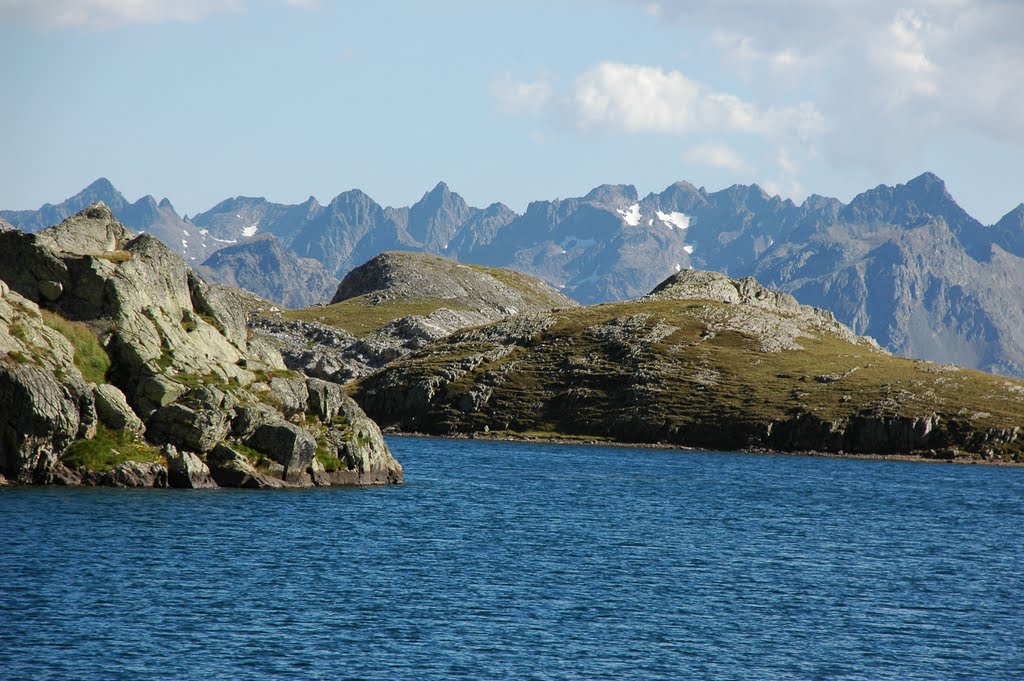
{"points": [[328, 456], [90, 357], [360, 316], [110, 448]]}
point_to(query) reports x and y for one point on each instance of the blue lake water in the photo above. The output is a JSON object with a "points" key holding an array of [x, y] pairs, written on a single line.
{"points": [[526, 561]]}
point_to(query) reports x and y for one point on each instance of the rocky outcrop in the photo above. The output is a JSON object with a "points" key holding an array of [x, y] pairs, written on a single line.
{"points": [[779, 329], [706, 362], [182, 370]]}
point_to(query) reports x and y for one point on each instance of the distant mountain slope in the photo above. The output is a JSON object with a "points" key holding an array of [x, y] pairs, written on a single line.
{"points": [[265, 267], [905, 264]]}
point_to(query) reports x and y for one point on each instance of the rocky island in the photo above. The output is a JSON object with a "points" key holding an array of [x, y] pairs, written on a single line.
{"points": [[123, 367], [702, 361]]}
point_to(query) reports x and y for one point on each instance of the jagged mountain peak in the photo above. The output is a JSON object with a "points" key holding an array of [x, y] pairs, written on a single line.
{"points": [[350, 196], [612, 194], [101, 189]]}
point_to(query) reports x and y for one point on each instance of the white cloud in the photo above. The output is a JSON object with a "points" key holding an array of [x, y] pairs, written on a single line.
{"points": [[888, 77], [111, 13], [717, 155], [521, 96], [647, 99]]}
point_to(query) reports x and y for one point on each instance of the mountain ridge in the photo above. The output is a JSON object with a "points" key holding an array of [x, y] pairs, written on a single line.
{"points": [[861, 259]]}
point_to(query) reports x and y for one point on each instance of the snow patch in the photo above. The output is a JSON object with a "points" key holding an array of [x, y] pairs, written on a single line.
{"points": [[650, 223], [679, 268], [224, 241], [688, 249], [631, 216], [185, 232], [184, 244], [251, 229], [204, 232], [677, 220]]}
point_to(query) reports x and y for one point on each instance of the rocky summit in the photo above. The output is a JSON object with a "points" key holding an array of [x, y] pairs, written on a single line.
{"points": [[703, 361], [123, 367], [395, 304]]}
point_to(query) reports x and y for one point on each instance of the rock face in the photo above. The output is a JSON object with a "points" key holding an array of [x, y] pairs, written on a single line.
{"points": [[703, 361], [181, 367], [448, 295]]}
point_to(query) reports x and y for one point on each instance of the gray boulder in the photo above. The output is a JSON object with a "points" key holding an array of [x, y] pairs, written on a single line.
{"points": [[291, 393], [326, 399], [39, 417], [185, 470], [193, 429], [113, 410], [288, 445]]}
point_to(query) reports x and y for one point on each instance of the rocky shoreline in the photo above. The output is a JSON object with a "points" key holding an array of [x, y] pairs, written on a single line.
{"points": [[122, 367]]}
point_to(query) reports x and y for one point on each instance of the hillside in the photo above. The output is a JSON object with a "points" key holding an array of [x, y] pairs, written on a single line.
{"points": [[122, 367], [394, 304], [702, 361]]}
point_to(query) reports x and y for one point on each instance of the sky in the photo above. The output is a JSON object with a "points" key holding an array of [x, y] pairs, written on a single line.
{"points": [[508, 100]]}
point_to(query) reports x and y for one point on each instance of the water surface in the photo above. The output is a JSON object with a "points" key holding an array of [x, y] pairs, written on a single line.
{"points": [[528, 561]]}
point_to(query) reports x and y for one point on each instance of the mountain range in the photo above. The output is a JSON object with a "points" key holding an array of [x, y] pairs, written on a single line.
{"points": [[903, 264]]}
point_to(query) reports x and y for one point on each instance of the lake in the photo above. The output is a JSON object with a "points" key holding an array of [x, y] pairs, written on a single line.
{"points": [[528, 561]]}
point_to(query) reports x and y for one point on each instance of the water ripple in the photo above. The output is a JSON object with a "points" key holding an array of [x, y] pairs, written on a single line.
{"points": [[522, 561]]}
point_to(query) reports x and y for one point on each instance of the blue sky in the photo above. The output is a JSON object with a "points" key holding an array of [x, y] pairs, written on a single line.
{"points": [[199, 100]]}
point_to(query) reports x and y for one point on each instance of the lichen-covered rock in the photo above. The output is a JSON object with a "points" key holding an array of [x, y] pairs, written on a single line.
{"points": [[40, 417], [195, 429], [231, 469], [135, 474], [291, 394], [360, 446], [113, 410], [326, 399], [185, 470], [287, 444]]}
